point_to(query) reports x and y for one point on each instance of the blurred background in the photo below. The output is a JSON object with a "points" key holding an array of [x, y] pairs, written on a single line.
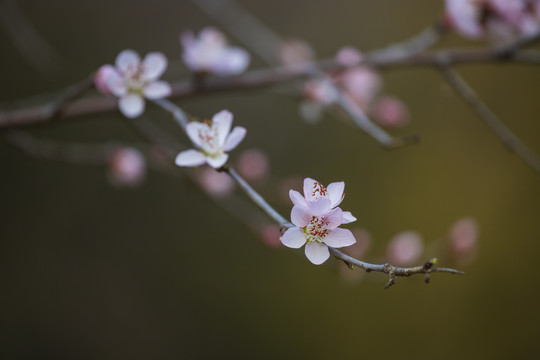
{"points": [[93, 271]]}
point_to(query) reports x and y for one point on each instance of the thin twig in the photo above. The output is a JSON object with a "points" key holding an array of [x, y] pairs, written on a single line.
{"points": [[466, 92]]}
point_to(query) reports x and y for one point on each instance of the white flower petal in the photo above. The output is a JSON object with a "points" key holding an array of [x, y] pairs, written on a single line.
{"points": [[196, 131], [154, 65], [335, 192], [236, 136], [218, 161], [127, 60], [348, 217], [157, 90], [222, 123], [131, 105], [297, 199], [316, 252], [339, 238], [334, 218], [309, 186], [319, 207], [233, 61], [300, 216], [293, 238], [190, 158]]}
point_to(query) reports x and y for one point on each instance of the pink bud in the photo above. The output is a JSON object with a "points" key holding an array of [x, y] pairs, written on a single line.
{"points": [[390, 112], [253, 165], [127, 167], [405, 248], [463, 240], [214, 182], [361, 83], [270, 235], [294, 52], [348, 56], [102, 77]]}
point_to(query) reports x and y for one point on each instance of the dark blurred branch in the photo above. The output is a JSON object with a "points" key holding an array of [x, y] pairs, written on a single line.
{"points": [[466, 92]]}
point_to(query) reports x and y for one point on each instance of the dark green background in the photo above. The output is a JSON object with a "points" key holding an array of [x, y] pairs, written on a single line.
{"points": [[88, 271]]}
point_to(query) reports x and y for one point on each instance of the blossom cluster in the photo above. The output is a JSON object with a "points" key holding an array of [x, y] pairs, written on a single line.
{"points": [[499, 20], [317, 217]]}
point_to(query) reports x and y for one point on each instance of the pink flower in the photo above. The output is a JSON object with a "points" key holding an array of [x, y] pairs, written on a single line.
{"points": [[253, 165], [316, 227], [212, 140], [127, 167], [361, 83], [390, 112], [132, 80], [348, 56], [405, 248], [463, 240], [314, 190], [464, 16], [214, 182], [209, 53]]}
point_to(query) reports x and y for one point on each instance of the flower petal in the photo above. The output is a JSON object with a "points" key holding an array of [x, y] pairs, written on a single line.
{"points": [[293, 238], [300, 216], [222, 123], [339, 238], [334, 218], [218, 161], [190, 157], [154, 65], [196, 132], [131, 105], [297, 199], [233, 61], [348, 217], [319, 207], [236, 136], [335, 192], [316, 252], [309, 186], [127, 60], [157, 90]]}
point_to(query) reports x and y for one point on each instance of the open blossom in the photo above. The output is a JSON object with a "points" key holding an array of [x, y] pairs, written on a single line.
{"points": [[316, 218], [313, 190], [132, 80], [209, 53], [213, 140], [127, 167]]}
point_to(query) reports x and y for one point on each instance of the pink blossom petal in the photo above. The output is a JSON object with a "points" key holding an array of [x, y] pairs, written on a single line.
{"points": [[316, 252], [293, 238], [157, 90], [116, 84], [309, 186], [212, 37], [131, 105], [127, 61], [297, 199], [217, 161], [334, 218], [154, 65], [339, 238], [190, 158], [335, 192], [222, 122], [348, 217], [319, 207], [300, 216], [465, 17], [101, 78], [348, 56], [236, 136], [196, 131]]}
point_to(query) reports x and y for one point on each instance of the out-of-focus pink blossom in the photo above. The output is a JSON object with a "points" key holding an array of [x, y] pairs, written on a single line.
{"points": [[348, 56], [390, 112], [463, 240], [253, 165], [214, 182], [213, 141], [127, 167], [465, 16], [361, 83], [270, 235], [132, 80], [405, 248], [295, 52], [209, 53]]}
